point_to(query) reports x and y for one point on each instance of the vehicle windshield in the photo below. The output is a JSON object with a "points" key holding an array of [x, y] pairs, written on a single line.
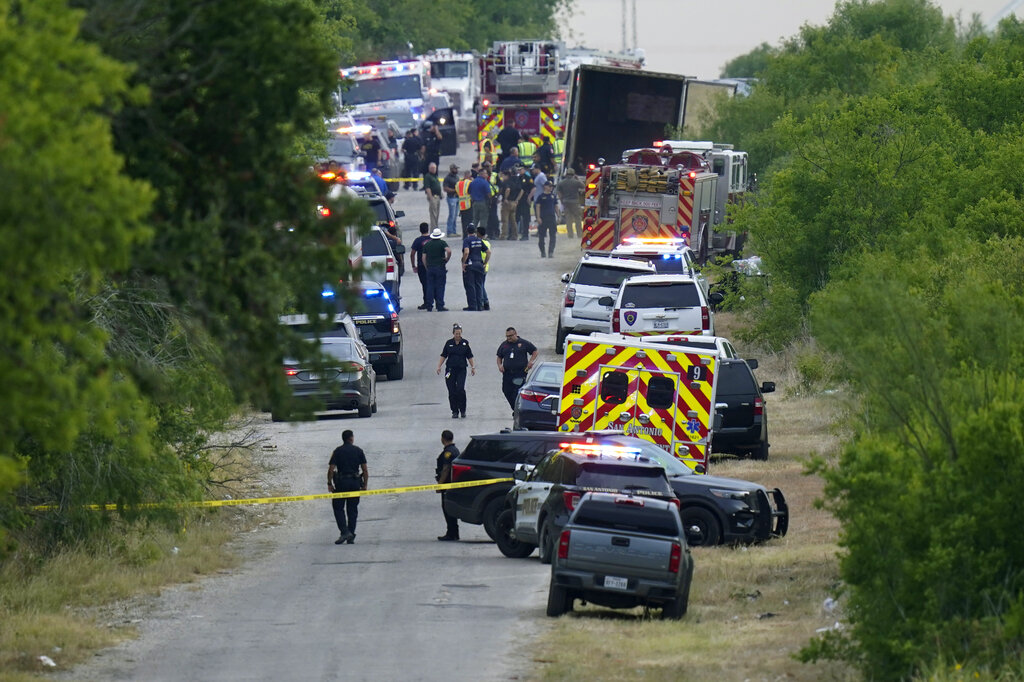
{"points": [[613, 477], [626, 517], [670, 264], [449, 69], [667, 295], [734, 377], [373, 301], [380, 210], [374, 244], [382, 90], [342, 146], [602, 275]]}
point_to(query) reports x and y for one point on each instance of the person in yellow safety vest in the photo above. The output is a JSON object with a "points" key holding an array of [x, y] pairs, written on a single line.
{"points": [[487, 149], [559, 152], [527, 147], [462, 191]]}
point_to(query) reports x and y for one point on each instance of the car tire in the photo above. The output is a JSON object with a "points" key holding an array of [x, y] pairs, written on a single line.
{"points": [[489, 516], [546, 546], [365, 411], [559, 600], [396, 371], [507, 545], [676, 609], [701, 526], [560, 335], [373, 408], [761, 453]]}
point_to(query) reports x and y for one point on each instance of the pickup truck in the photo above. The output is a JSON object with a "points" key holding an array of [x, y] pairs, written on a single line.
{"points": [[621, 551]]}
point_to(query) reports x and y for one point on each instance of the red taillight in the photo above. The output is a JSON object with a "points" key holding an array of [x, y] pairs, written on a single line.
{"points": [[532, 396], [390, 265], [458, 471], [394, 323], [675, 558], [632, 501], [570, 297], [675, 501], [758, 406], [290, 371], [570, 500], [563, 545], [324, 212], [705, 318], [615, 321], [352, 367], [391, 223]]}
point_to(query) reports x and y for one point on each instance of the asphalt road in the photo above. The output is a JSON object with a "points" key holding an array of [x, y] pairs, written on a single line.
{"points": [[397, 604]]}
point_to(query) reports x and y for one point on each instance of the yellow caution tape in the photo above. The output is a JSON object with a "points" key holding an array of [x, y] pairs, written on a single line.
{"points": [[291, 498]]}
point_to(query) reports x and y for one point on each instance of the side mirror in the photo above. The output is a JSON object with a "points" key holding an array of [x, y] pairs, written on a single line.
{"points": [[751, 362], [606, 301], [565, 277], [520, 474], [716, 297], [399, 214], [768, 387]]}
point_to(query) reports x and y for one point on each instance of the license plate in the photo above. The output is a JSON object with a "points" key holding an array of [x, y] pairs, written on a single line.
{"points": [[661, 324], [616, 583]]}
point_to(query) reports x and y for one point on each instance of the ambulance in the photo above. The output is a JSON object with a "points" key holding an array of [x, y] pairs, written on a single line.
{"points": [[660, 393]]}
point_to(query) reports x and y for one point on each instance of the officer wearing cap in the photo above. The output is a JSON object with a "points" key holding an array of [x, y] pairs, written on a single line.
{"points": [[455, 355]]}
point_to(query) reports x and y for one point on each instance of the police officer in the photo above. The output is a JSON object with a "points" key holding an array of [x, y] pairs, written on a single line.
{"points": [[443, 474], [455, 355], [515, 358], [346, 472], [475, 254]]}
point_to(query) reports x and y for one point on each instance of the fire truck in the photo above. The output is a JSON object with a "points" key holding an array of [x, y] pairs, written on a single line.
{"points": [[660, 393], [732, 169], [650, 198], [519, 83]]}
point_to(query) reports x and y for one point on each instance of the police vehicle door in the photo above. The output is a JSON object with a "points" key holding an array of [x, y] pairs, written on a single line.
{"points": [[532, 494], [445, 119]]}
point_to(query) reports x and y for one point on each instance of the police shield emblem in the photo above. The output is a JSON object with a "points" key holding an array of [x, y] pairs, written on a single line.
{"points": [[630, 317], [639, 223]]}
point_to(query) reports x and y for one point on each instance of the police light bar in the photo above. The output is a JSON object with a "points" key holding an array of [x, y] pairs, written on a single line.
{"points": [[327, 293], [658, 143], [354, 130], [372, 292], [358, 176], [329, 175], [672, 241], [598, 450]]}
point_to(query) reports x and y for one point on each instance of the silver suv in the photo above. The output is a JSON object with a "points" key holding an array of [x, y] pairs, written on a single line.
{"points": [[594, 278]]}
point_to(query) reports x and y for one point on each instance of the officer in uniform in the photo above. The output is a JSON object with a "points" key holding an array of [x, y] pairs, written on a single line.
{"points": [[475, 254], [455, 355], [515, 358], [443, 474], [346, 472]]}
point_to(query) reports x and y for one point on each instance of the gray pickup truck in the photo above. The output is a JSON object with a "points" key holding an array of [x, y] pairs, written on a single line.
{"points": [[621, 551]]}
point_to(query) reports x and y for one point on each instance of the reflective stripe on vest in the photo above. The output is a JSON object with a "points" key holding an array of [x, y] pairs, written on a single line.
{"points": [[462, 189]]}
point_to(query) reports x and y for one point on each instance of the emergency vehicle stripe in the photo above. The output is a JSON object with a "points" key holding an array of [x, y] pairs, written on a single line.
{"points": [[602, 237], [643, 222], [549, 126], [684, 211], [490, 121]]}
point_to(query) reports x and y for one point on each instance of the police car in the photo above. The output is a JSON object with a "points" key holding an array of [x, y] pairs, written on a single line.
{"points": [[539, 505], [668, 255], [662, 304]]}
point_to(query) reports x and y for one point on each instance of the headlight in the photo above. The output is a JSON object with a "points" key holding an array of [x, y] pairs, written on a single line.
{"points": [[741, 495]]}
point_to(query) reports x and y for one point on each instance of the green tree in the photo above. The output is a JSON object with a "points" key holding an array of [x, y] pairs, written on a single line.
{"points": [[69, 214], [751, 64]]}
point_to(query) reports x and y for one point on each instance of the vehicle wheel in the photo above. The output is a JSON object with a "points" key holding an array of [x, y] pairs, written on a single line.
{"points": [[365, 411], [373, 408], [559, 600], [397, 370], [510, 547], [701, 527], [760, 453], [490, 516], [560, 335], [546, 545], [676, 609]]}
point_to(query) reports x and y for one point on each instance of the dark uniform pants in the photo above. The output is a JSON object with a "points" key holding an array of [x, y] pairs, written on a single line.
{"points": [[511, 382], [455, 379], [347, 505], [421, 272], [523, 218], [548, 226], [473, 279], [451, 521], [437, 276]]}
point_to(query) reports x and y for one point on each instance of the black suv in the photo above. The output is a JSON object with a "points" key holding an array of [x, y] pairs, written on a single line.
{"points": [[377, 322], [539, 506], [744, 426], [714, 510]]}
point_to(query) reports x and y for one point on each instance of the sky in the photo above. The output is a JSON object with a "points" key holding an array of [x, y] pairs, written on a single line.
{"points": [[698, 37]]}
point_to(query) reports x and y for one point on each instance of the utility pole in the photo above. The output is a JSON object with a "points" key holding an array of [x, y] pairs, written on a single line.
{"points": [[623, 25], [634, 25]]}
